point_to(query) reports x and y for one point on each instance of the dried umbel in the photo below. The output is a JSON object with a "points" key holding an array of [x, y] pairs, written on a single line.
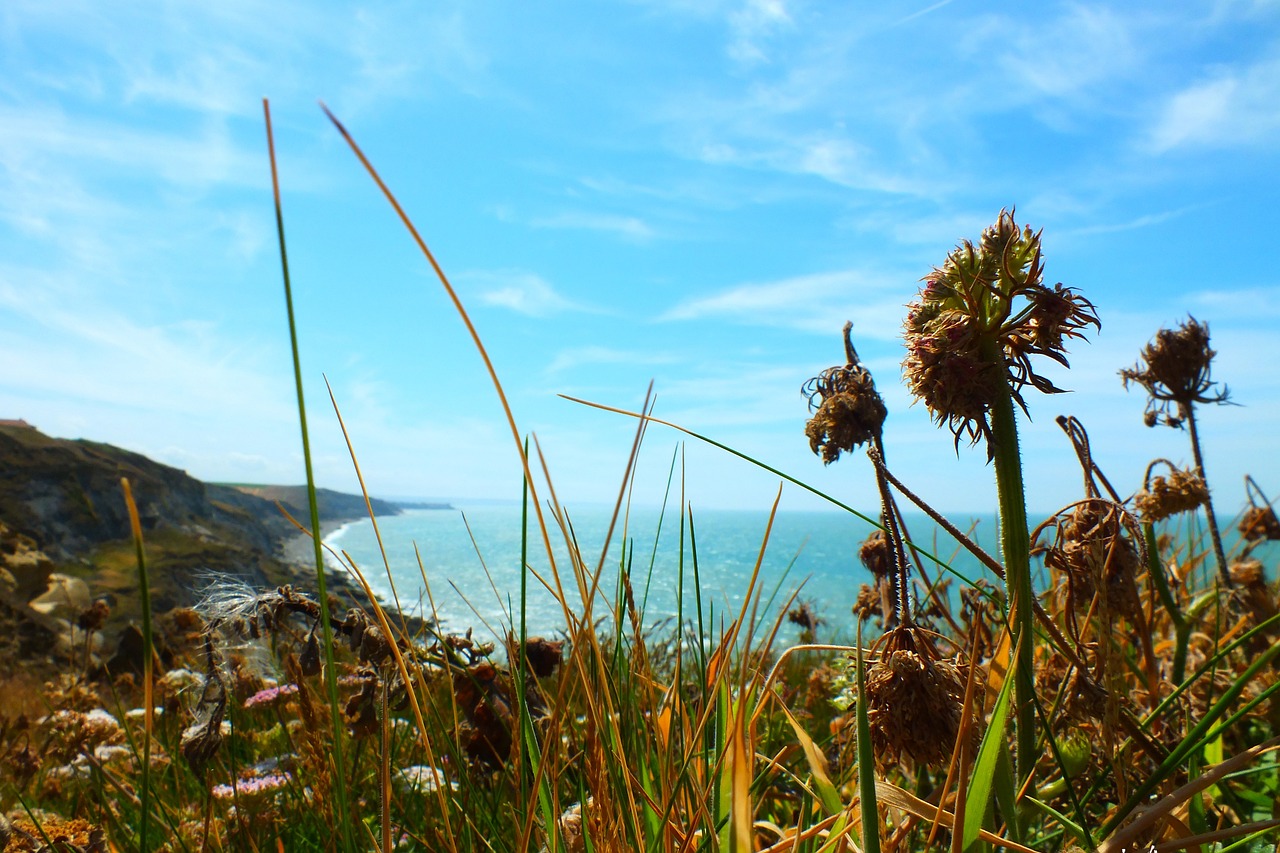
{"points": [[1259, 523], [1181, 491], [875, 554], [1094, 550], [849, 410], [1174, 370], [978, 320], [915, 702], [1254, 598]]}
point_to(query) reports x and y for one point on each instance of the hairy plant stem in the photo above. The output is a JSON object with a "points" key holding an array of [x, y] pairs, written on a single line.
{"points": [[1188, 413], [1015, 549]]}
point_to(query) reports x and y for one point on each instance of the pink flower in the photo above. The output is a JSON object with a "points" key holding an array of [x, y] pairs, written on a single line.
{"points": [[270, 695]]}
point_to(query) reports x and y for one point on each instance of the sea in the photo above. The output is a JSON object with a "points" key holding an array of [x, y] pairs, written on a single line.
{"points": [[464, 568]]}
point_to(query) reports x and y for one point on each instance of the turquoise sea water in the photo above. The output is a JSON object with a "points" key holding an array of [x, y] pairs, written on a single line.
{"points": [[471, 560]]}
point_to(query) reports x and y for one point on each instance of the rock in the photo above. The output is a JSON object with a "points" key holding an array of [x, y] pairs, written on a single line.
{"points": [[63, 591]]}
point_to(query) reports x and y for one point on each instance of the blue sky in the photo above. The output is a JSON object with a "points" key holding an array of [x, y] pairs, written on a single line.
{"points": [[694, 192]]}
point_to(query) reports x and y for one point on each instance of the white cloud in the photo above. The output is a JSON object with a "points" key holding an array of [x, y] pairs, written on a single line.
{"points": [[1068, 56], [1145, 221], [520, 291], [630, 227], [592, 355], [814, 303], [753, 24], [1233, 108]]}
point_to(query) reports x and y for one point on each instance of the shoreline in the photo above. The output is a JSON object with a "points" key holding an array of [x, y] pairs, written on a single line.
{"points": [[297, 549]]}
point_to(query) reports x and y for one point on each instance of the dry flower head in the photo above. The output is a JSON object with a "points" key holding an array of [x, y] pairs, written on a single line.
{"points": [[849, 409], [1094, 550], [915, 702], [977, 322], [1174, 370], [1182, 491]]}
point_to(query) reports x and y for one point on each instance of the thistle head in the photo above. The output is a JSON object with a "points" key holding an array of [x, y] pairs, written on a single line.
{"points": [[848, 409], [978, 320], [1174, 370]]}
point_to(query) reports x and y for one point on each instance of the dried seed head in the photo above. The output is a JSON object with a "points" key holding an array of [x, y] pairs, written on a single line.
{"points": [[362, 711], [1254, 598], [1181, 491], [1094, 550], [875, 554], [977, 322], [915, 703], [1259, 523], [804, 617], [202, 739], [309, 659], [1174, 370], [849, 409], [1249, 573], [544, 656], [868, 603]]}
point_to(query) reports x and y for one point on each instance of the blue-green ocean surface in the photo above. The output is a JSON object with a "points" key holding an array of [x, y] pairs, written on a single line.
{"points": [[471, 562]]}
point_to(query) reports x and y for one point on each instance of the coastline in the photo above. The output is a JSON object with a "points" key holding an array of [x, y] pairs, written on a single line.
{"points": [[297, 549]]}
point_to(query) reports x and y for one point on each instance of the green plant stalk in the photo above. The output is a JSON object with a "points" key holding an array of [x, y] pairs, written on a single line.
{"points": [[1015, 548], [330, 670], [867, 803], [148, 653], [1181, 628]]}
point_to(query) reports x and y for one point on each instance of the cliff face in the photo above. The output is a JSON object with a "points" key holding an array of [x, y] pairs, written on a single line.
{"points": [[67, 496], [64, 526]]}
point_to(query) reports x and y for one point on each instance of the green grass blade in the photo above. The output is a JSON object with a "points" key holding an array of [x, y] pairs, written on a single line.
{"points": [[866, 763], [978, 798], [148, 664], [331, 683]]}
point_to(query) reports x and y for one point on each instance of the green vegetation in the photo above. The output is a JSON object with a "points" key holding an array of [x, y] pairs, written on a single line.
{"points": [[1117, 694]]}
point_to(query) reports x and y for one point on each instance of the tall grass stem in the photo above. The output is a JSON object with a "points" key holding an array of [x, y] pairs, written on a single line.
{"points": [[326, 627]]}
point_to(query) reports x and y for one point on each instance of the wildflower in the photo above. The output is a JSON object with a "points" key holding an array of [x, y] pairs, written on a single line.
{"points": [[978, 320], [255, 786], [849, 410], [270, 695], [420, 779], [135, 715]]}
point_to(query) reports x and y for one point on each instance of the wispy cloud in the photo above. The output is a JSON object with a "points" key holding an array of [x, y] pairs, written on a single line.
{"points": [[520, 291], [807, 303], [1144, 221], [1067, 56], [752, 24], [629, 227], [573, 357], [1232, 108]]}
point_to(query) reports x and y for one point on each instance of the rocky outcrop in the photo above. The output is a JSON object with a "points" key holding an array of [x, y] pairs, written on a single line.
{"points": [[65, 538], [66, 495]]}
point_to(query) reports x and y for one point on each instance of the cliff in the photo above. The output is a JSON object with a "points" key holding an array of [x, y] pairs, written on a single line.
{"points": [[62, 511]]}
